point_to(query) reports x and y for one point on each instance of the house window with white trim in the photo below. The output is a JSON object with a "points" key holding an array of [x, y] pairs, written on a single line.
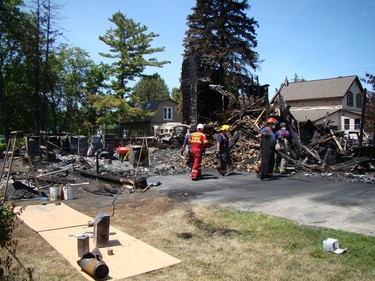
{"points": [[349, 99], [167, 113], [346, 124], [358, 100], [357, 124]]}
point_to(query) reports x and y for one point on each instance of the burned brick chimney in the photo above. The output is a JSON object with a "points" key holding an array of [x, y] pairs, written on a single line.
{"points": [[204, 99], [189, 76]]}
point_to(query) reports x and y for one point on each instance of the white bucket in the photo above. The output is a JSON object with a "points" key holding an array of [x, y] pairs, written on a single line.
{"points": [[54, 193], [68, 192]]}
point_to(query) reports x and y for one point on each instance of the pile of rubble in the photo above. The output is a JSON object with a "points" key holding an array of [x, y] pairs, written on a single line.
{"points": [[315, 150]]}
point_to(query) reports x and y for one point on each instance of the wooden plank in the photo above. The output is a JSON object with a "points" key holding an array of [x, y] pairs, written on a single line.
{"points": [[347, 164], [104, 177], [313, 153], [336, 141]]}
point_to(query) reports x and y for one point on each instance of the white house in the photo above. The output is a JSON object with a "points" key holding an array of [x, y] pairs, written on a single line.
{"points": [[338, 99]]}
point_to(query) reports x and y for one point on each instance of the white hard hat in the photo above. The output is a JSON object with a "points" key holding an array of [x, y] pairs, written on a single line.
{"points": [[200, 126]]}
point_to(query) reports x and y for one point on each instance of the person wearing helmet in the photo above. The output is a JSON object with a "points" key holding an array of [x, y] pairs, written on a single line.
{"points": [[283, 140], [199, 143], [267, 149], [185, 144], [222, 148]]}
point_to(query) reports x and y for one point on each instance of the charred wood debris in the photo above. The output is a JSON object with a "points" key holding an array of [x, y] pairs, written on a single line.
{"points": [[316, 150]]}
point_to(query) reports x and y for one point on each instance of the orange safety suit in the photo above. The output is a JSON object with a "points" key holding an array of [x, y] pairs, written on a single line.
{"points": [[198, 141]]}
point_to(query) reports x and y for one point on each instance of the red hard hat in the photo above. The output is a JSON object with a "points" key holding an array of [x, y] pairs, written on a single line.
{"points": [[271, 120]]}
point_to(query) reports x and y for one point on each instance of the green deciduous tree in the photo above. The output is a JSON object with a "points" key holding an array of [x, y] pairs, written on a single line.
{"points": [[28, 75], [177, 97], [68, 101], [223, 35], [149, 88], [11, 23], [370, 104], [176, 94]]}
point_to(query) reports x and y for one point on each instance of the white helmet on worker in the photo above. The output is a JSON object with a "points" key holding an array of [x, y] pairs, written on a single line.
{"points": [[200, 126]]}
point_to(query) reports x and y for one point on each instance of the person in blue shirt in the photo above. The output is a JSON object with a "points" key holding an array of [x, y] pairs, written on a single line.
{"points": [[222, 148], [267, 146], [283, 141]]}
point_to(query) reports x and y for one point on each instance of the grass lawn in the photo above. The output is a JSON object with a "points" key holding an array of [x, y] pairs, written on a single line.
{"points": [[220, 244]]}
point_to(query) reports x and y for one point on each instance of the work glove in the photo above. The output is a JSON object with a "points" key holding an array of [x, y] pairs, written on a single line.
{"points": [[182, 152]]}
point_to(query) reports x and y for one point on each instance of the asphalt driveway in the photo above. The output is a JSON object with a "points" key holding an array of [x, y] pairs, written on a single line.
{"points": [[306, 199]]}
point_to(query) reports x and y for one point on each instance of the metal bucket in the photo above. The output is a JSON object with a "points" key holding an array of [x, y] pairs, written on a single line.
{"points": [[55, 193], [68, 192]]}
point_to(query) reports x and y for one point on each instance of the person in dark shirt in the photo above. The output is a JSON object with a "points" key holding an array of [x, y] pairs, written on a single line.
{"points": [[222, 148], [267, 146], [283, 141]]}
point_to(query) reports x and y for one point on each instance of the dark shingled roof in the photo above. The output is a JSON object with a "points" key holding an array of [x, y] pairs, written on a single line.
{"points": [[150, 105], [318, 89]]}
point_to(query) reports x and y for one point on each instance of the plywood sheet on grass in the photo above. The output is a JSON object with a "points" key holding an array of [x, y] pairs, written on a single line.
{"points": [[56, 224]]}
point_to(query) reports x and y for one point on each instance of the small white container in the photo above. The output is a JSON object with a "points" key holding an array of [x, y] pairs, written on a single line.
{"points": [[332, 245], [55, 193], [68, 192]]}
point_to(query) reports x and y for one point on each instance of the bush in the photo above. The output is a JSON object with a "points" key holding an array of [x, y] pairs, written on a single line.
{"points": [[7, 225]]}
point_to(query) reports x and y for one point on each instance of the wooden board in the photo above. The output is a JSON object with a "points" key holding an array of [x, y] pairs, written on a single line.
{"points": [[131, 256], [347, 164]]}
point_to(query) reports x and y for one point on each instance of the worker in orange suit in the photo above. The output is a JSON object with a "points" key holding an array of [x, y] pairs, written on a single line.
{"points": [[199, 143]]}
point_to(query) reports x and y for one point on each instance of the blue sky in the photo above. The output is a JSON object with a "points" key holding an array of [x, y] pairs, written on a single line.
{"points": [[314, 39]]}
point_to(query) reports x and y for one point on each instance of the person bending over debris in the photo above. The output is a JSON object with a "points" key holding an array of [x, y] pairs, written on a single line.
{"points": [[222, 147], [267, 149], [185, 144], [283, 139], [199, 143]]}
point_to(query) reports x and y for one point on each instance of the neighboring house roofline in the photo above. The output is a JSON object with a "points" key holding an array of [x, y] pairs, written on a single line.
{"points": [[153, 104], [331, 88]]}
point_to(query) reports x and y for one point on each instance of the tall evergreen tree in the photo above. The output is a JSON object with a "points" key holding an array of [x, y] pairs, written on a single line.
{"points": [[224, 37], [130, 47]]}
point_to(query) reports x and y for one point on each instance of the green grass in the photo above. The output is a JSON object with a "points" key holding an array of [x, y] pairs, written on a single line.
{"points": [[220, 245], [289, 239], [231, 245]]}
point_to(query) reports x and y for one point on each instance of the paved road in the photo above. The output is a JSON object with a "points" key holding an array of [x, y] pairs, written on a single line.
{"points": [[311, 200]]}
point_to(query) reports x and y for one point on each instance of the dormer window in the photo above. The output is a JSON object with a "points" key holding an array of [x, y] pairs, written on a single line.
{"points": [[349, 99], [358, 100], [167, 113]]}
